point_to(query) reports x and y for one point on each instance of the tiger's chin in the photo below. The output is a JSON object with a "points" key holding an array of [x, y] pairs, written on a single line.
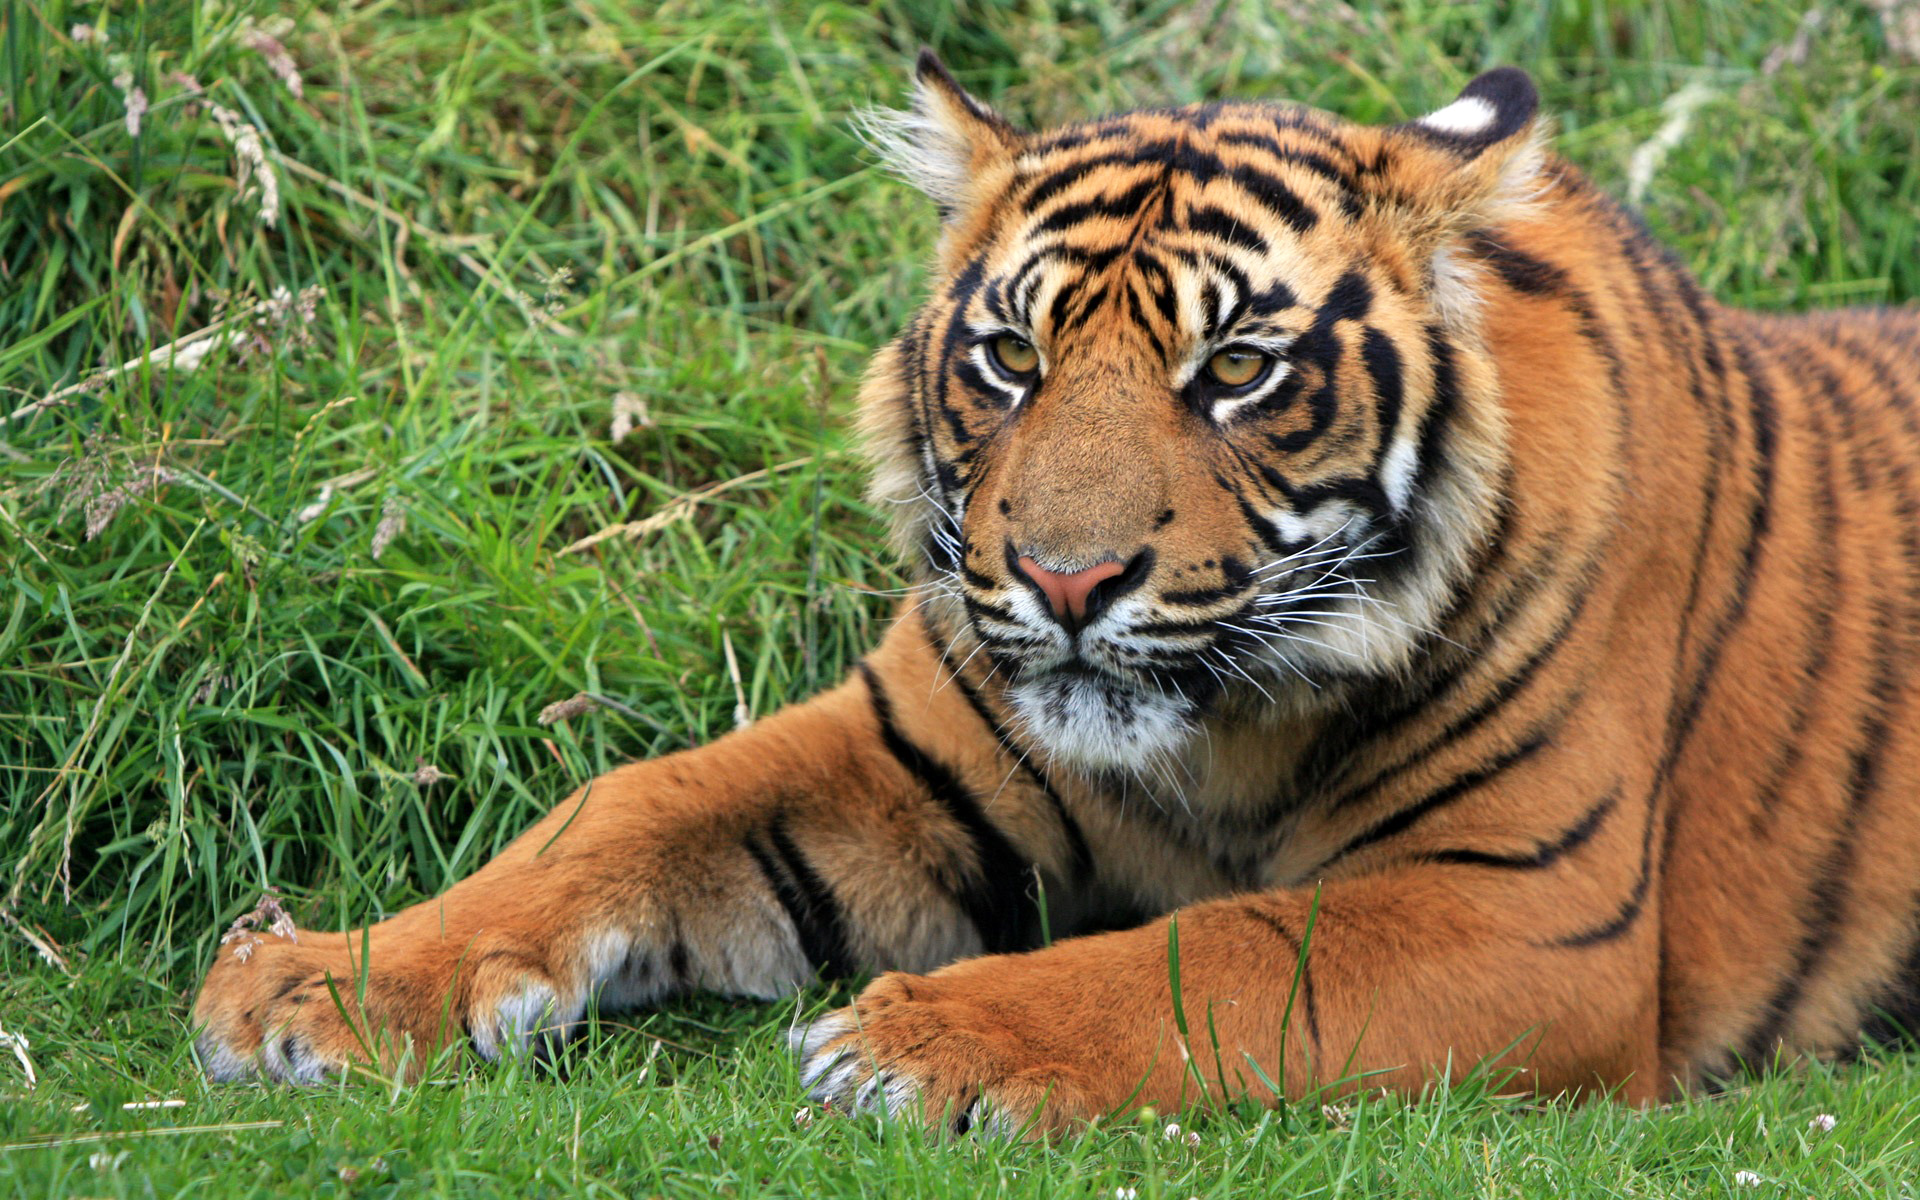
{"points": [[1100, 724]]}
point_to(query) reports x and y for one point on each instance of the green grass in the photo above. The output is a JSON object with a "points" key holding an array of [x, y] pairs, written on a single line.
{"points": [[243, 605]]}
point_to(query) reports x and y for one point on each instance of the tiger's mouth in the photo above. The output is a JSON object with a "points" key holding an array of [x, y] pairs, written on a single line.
{"points": [[1097, 721], [1129, 683]]}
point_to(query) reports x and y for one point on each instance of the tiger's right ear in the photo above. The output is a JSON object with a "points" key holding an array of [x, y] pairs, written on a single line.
{"points": [[945, 142], [1466, 164]]}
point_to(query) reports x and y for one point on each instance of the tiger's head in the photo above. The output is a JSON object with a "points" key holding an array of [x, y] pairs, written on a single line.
{"points": [[1197, 420]]}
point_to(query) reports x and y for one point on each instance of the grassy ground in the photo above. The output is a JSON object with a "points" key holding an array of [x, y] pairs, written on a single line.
{"points": [[307, 396]]}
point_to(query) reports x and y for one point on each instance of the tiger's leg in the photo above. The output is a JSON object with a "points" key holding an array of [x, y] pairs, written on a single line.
{"points": [[1409, 975], [846, 833]]}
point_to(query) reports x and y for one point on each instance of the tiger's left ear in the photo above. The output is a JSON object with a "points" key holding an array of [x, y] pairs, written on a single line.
{"points": [[1460, 166], [946, 142]]}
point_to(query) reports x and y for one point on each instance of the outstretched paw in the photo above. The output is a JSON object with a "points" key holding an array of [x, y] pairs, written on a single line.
{"points": [[302, 1010]]}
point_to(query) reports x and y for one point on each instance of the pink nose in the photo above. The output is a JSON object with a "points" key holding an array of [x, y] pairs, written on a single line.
{"points": [[1067, 592]]}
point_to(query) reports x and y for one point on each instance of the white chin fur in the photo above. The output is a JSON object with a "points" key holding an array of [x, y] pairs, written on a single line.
{"points": [[1097, 725]]}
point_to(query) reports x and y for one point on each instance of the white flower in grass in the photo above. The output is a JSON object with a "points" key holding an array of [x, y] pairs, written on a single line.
{"points": [[1823, 1123], [1125, 1193], [1193, 1141], [134, 99], [1746, 1179], [278, 60], [1170, 1132], [630, 412], [802, 1117], [393, 523]]}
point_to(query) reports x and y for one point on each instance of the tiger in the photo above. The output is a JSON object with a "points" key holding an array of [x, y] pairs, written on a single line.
{"points": [[1372, 616]]}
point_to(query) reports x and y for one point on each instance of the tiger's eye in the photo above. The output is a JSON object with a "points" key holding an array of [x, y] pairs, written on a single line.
{"points": [[1237, 366], [1016, 355]]}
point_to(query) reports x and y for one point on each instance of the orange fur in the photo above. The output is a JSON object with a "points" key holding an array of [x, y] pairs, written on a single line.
{"points": [[1543, 632]]}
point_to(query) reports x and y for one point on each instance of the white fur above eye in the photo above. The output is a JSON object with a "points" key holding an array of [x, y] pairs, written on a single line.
{"points": [[1466, 116]]}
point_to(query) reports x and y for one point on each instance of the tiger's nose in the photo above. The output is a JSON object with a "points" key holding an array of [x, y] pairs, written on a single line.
{"points": [[1076, 597]]}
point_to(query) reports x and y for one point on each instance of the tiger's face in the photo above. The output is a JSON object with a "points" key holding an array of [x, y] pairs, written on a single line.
{"points": [[1195, 422]]}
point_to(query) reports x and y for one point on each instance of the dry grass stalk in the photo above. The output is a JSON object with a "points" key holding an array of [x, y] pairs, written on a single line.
{"points": [[268, 914], [680, 507], [579, 704], [17, 1042], [183, 353], [393, 523], [103, 507]]}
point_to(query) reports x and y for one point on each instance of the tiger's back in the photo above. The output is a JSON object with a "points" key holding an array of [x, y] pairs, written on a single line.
{"points": [[1761, 500]]}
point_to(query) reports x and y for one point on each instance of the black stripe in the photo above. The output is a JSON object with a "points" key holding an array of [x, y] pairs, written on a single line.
{"points": [[1184, 628], [1276, 197], [996, 897], [1087, 308], [1218, 222], [1126, 204], [1079, 855], [1196, 597], [1057, 311], [1160, 285], [1350, 299], [1441, 407], [1823, 584], [1533, 277], [1460, 785], [1639, 251], [1543, 855], [1465, 723], [1896, 1018], [1517, 269], [1382, 360], [1686, 709], [818, 920], [1636, 899], [1139, 314], [1310, 1005]]}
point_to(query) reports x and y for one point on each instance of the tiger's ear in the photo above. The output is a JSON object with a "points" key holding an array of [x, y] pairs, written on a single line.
{"points": [[1461, 165], [945, 141]]}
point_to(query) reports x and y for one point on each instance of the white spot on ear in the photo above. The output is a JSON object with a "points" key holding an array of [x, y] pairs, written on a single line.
{"points": [[1466, 116]]}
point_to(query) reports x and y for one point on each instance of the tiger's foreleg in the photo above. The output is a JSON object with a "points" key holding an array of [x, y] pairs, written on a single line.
{"points": [[1408, 976], [844, 834]]}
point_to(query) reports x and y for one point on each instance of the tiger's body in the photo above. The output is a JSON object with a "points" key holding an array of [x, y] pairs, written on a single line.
{"points": [[1310, 521]]}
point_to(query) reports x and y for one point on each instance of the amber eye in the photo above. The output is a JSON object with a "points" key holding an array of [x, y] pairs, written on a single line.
{"points": [[1015, 355], [1237, 366]]}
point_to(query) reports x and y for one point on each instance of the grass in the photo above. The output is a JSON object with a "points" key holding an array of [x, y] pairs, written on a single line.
{"points": [[283, 605]]}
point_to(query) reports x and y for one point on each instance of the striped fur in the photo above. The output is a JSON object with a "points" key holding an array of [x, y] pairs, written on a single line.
{"points": [[1543, 632]]}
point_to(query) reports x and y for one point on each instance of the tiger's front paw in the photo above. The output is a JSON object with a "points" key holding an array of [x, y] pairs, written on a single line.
{"points": [[301, 1007], [948, 1052]]}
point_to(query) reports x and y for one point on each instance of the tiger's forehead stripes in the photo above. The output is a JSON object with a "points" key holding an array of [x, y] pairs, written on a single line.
{"points": [[1267, 152]]}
